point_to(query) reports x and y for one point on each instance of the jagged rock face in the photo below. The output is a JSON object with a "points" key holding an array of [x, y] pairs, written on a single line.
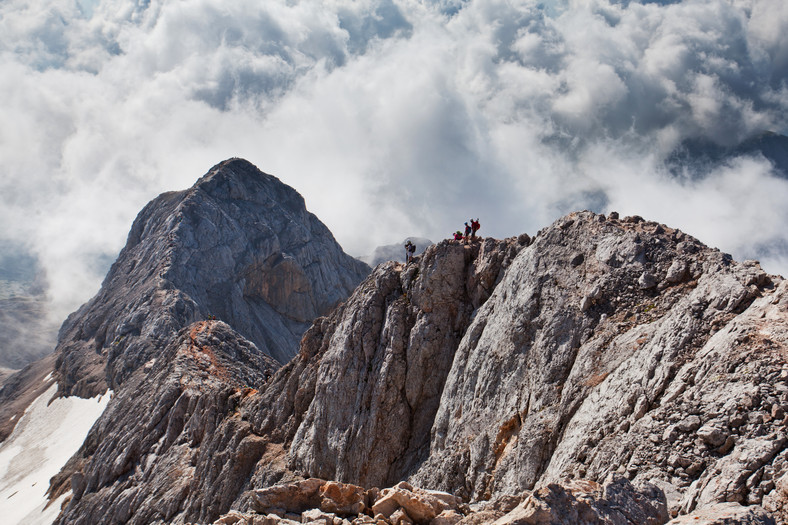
{"points": [[160, 455], [615, 345], [239, 245], [381, 376], [603, 347], [171, 444]]}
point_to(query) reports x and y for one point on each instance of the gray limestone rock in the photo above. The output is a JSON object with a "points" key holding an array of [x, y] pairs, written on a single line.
{"points": [[239, 246], [382, 372], [172, 443], [726, 514], [483, 371], [541, 389]]}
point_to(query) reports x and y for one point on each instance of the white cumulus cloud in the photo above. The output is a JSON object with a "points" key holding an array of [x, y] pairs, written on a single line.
{"points": [[392, 117]]}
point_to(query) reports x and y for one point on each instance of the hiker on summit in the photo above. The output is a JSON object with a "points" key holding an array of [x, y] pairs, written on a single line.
{"points": [[458, 235], [467, 232], [474, 228], [410, 249]]}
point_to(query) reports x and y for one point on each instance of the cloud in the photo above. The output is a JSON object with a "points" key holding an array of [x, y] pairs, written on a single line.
{"points": [[392, 117]]}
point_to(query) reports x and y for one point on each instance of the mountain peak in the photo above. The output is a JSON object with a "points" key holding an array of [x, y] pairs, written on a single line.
{"points": [[239, 179], [239, 246]]}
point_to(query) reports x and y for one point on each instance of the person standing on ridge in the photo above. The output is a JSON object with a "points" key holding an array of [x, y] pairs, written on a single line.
{"points": [[410, 250], [467, 232], [474, 228]]}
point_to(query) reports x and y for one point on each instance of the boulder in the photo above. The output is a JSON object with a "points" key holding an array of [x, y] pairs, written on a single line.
{"points": [[297, 496], [341, 498]]}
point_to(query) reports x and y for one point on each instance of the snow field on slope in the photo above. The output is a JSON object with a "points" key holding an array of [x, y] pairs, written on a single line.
{"points": [[47, 435]]}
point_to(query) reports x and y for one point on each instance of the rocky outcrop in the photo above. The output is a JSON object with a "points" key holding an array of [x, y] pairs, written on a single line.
{"points": [[616, 351], [239, 246], [607, 347], [390, 349], [139, 487], [172, 443], [21, 389], [726, 514], [326, 502]]}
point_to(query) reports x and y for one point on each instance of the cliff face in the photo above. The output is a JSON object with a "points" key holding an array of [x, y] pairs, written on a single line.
{"points": [[161, 446], [239, 246], [599, 349], [607, 346], [619, 346], [380, 379]]}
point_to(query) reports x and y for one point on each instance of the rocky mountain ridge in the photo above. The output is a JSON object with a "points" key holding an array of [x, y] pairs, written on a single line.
{"points": [[601, 347], [238, 246]]}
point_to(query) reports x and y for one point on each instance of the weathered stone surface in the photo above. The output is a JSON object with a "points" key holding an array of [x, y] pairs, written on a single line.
{"points": [[239, 246], [321, 517], [447, 517], [545, 386], [420, 508], [714, 433], [776, 501], [725, 514], [342, 498], [290, 497], [481, 371], [617, 502], [677, 271], [174, 446], [384, 361]]}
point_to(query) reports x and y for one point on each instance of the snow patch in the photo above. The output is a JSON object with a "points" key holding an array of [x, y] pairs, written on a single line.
{"points": [[43, 440], [48, 377]]}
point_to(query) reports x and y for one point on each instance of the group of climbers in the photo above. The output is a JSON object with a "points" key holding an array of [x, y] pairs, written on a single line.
{"points": [[471, 227], [470, 231]]}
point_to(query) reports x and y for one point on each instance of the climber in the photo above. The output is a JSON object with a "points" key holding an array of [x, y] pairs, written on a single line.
{"points": [[467, 232], [458, 235], [474, 228], [410, 248]]}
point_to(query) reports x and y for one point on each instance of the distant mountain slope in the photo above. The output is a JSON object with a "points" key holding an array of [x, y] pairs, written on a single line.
{"points": [[26, 332], [239, 246], [699, 157]]}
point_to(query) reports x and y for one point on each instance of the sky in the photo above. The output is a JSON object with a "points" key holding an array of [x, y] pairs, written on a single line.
{"points": [[392, 118]]}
